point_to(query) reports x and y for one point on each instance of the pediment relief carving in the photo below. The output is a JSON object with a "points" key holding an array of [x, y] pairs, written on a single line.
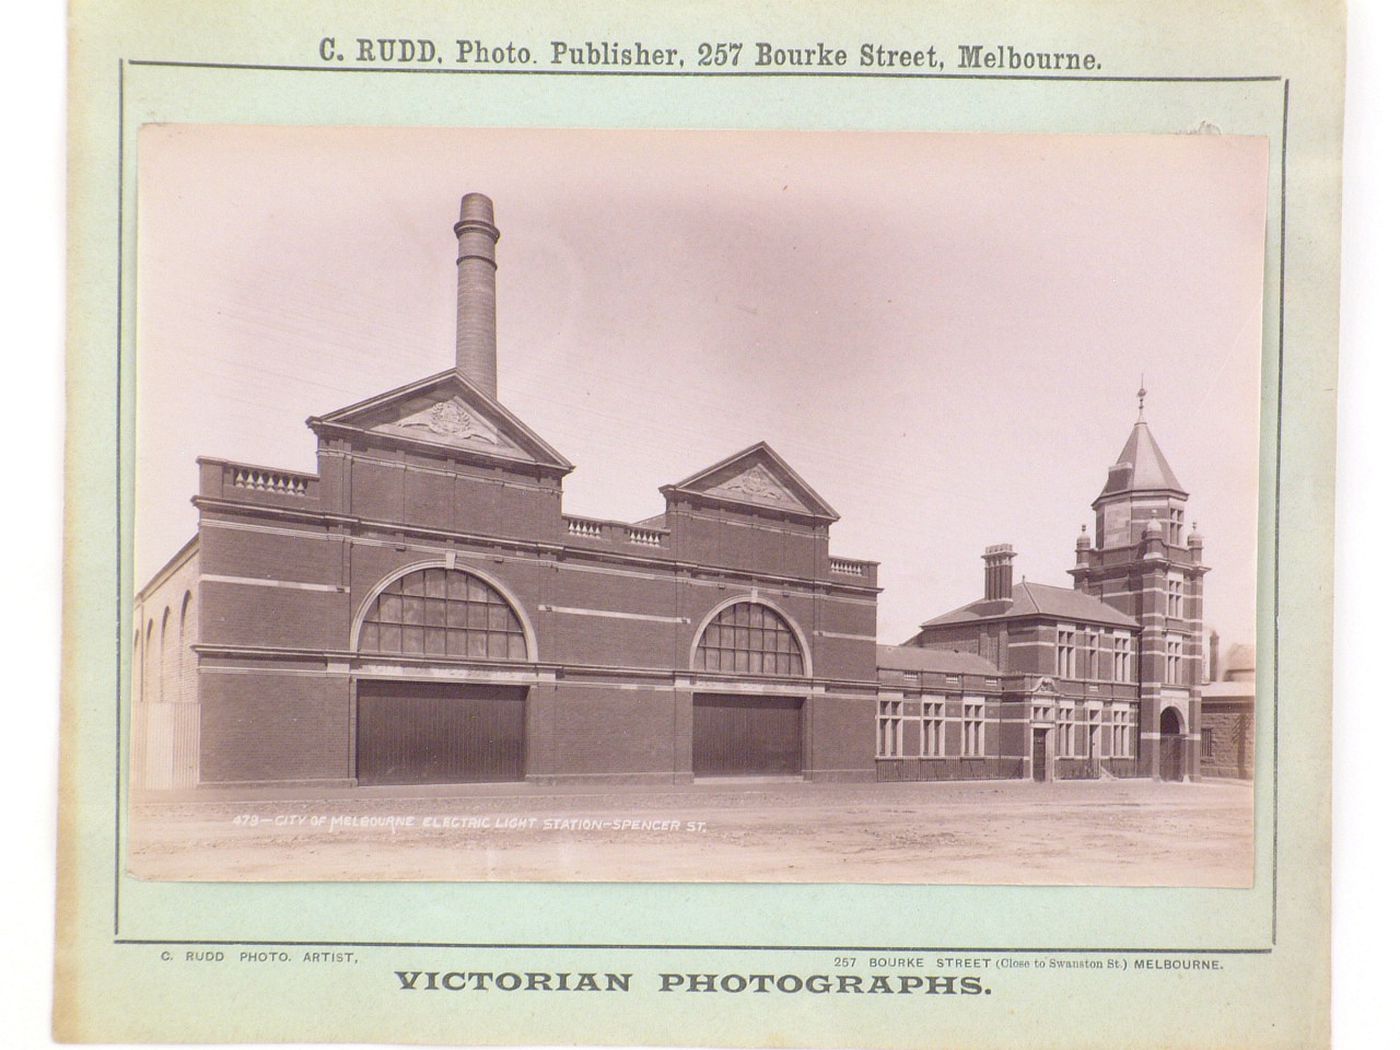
{"points": [[452, 421], [756, 485]]}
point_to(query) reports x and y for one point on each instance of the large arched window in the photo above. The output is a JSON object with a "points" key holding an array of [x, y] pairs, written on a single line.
{"points": [[443, 612], [749, 638]]}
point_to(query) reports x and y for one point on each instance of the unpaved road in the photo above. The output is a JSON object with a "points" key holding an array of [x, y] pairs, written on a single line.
{"points": [[1120, 833]]}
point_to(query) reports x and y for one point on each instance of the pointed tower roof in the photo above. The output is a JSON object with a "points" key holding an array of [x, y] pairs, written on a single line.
{"points": [[1141, 466]]}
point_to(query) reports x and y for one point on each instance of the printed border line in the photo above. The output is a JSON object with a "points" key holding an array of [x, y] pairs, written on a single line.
{"points": [[893, 949], [1278, 481], [1278, 475], [117, 444], [744, 73]]}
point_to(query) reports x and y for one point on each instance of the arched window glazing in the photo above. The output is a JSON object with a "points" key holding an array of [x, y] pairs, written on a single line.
{"points": [[749, 638], [443, 612]]}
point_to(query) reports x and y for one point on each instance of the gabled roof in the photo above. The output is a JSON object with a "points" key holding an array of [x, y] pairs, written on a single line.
{"points": [[1141, 467], [445, 412], [1037, 600], [944, 661], [756, 477]]}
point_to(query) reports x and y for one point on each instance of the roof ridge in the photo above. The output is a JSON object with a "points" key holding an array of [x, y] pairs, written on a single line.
{"points": [[1025, 586]]}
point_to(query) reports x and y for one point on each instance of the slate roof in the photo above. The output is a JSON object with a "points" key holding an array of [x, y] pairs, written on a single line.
{"points": [[946, 661], [1037, 599], [1141, 467]]}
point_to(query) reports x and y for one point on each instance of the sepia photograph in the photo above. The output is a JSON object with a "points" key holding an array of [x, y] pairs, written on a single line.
{"points": [[695, 506]]}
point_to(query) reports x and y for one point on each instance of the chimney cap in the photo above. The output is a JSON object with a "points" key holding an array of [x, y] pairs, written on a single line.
{"points": [[998, 548], [477, 207]]}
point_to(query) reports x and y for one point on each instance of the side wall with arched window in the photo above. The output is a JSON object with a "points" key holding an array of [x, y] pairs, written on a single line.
{"points": [[165, 712]]}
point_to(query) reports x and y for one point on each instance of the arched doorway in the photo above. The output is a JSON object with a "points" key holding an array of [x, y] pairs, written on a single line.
{"points": [[756, 732], [409, 730], [1173, 741]]}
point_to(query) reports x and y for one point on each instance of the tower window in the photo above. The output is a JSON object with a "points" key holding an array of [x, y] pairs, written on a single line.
{"points": [[1176, 524], [1176, 599], [1174, 653]]}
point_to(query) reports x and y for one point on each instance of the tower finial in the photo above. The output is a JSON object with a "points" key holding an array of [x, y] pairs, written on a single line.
{"points": [[1141, 395]]}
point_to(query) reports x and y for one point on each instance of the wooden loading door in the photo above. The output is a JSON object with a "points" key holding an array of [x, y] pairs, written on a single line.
{"points": [[747, 736], [430, 733]]}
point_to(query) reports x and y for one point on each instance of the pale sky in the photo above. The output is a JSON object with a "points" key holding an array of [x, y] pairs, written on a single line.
{"points": [[943, 334]]}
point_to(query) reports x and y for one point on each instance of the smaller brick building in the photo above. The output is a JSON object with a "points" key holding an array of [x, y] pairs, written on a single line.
{"points": [[1054, 683]]}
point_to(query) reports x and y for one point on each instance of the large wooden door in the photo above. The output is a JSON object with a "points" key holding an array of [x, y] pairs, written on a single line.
{"points": [[430, 733], [1038, 754], [747, 736]]}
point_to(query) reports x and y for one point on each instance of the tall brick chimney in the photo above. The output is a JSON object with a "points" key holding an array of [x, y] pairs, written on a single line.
{"points": [[476, 291], [998, 572]]}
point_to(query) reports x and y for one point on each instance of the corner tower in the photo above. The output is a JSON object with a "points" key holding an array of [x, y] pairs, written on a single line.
{"points": [[1142, 562]]}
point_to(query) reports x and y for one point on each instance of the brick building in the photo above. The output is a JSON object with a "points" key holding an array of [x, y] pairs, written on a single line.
{"points": [[1103, 678], [420, 609]]}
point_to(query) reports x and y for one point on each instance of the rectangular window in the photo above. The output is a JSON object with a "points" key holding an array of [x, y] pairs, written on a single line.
{"points": [[1176, 598], [1173, 661], [1064, 732], [1176, 523], [1090, 666], [933, 741], [1121, 740], [1064, 653], [887, 738], [974, 728], [1122, 659], [1207, 744]]}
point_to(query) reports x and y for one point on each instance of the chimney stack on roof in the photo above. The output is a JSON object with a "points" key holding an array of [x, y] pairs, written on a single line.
{"points": [[476, 292], [998, 558]]}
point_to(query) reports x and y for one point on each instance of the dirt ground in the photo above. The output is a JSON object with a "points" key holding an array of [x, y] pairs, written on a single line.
{"points": [[1118, 833]]}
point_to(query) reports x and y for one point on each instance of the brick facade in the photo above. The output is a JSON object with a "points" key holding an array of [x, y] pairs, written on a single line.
{"points": [[431, 546]]}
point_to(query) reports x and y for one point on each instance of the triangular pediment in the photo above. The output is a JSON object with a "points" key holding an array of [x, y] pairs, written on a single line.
{"points": [[447, 412], [755, 477], [449, 420]]}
